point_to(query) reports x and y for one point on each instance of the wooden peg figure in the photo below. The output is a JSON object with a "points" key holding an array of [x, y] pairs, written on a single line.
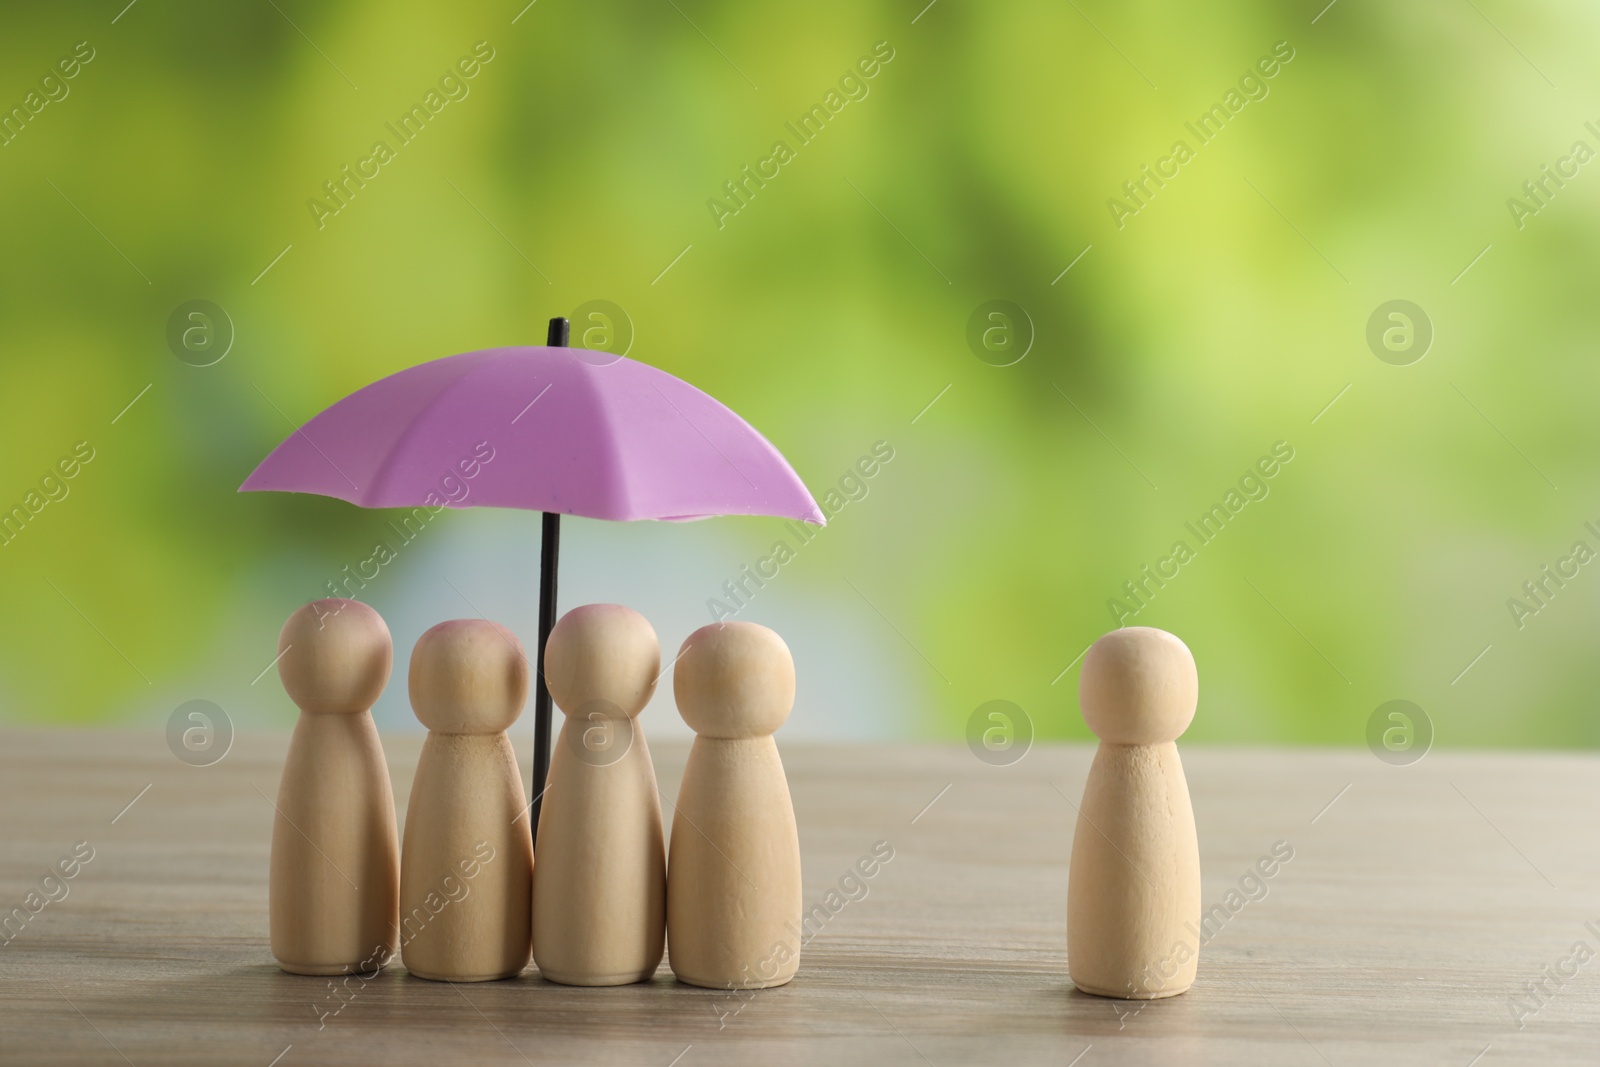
{"points": [[600, 880], [334, 883], [733, 868], [1133, 892], [466, 868]]}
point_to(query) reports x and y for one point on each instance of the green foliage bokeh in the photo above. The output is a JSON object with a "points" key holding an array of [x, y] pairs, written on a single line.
{"points": [[1187, 340]]}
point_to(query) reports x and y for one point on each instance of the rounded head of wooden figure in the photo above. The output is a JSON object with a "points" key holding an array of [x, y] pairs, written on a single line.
{"points": [[1139, 686], [468, 676], [334, 657], [734, 680], [602, 654]]}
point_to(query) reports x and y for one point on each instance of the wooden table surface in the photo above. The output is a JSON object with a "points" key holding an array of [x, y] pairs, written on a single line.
{"points": [[1417, 906]]}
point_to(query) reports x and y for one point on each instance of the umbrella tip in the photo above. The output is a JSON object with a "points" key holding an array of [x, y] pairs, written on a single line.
{"points": [[560, 333]]}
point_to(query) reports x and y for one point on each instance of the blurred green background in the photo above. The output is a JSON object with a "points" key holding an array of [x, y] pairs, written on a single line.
{"points": [[832, 310]]}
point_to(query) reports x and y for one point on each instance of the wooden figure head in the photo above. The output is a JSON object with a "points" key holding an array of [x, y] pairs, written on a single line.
{"points": [[734, 679], [602, 654], [468, 676], [334, 657], [1139, 686]]}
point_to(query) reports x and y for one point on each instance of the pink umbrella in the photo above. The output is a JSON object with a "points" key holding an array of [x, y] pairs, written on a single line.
{"points": [[565, 431]]}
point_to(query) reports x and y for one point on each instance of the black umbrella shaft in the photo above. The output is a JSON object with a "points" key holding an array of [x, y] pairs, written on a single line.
{"points": [[549, 553], [549, 562]]}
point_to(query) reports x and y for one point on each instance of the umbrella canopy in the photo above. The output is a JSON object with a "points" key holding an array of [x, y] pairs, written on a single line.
{"points": [[565, 431], [572, 431]]}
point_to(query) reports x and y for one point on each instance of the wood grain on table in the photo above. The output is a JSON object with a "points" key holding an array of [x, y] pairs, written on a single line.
{"points": [[1417, 907]]}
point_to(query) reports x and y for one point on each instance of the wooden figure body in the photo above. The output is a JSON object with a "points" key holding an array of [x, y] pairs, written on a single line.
{"points": [[466, 866], [335, 871], [600, 881], [1133, 893], [733, 870]]}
